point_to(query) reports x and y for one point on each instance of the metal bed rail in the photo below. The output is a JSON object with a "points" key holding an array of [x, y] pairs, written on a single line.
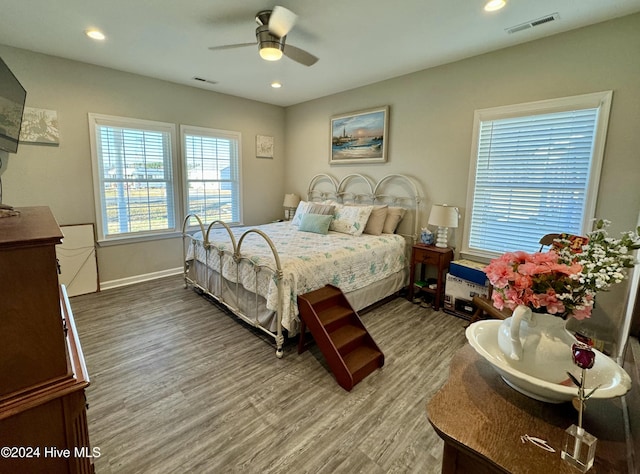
{"points": [[191, 277]]}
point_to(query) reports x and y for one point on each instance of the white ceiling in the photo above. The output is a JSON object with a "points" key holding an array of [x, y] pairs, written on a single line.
{"points": [[358, 41]]}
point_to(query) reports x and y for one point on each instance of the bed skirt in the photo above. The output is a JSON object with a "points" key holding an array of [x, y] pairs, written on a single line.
{"points": [[239, 299]]}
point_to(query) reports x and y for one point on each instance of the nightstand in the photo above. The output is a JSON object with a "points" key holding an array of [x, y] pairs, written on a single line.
{"points": [[434, 256]]}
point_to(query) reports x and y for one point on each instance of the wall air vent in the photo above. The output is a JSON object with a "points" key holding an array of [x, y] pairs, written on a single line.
{"points": [[200, 79], [532, 23]]}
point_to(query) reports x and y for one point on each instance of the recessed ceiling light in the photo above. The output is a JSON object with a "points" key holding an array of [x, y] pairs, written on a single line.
{"points": [[276, 85], [95, 34], [493, 5]]}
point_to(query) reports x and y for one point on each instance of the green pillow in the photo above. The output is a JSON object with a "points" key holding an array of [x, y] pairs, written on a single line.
{"points": [[317, 223]]}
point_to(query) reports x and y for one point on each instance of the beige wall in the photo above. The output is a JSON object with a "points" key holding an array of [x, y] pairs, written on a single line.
{"points": [[431, 114], [431, 118], [60, 177]]}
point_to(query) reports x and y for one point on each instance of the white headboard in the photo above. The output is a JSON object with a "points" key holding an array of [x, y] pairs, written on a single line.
{"points": [[394, 189]]}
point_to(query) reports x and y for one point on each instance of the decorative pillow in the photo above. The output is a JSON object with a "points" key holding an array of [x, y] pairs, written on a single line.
{"points": [[350, 219], [300, 210], [331, 202], [317, 223], [305, 207], [321, 208], [375, 224], [394, 216]]}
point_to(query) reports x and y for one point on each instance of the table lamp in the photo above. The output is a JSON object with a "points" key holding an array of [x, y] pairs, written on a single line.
{"points": [[444, 217], [290, 205]]}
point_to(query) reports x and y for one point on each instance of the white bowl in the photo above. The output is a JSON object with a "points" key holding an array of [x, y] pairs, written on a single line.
{"points": [[613, 380]]}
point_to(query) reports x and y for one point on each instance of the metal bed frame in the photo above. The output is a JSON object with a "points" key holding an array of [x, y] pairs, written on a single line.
{"points": [[337, 190]]}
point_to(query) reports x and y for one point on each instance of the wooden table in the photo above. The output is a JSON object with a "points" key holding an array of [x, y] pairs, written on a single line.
{"points": [[481, 419], [430, 255]]}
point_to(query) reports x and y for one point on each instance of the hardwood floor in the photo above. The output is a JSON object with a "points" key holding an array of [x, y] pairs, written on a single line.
{"points": [[179, 386]]}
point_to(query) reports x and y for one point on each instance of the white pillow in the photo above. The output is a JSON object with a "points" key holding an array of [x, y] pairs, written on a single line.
{"points": [[350, 219], [394, 216], [303, 207]]}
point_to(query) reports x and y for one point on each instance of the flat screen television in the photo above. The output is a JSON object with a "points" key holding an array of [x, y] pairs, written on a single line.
{"points": [[12, 97]]}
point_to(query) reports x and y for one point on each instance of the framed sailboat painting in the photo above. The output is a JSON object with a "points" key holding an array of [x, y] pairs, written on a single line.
{"points": [[359, 137]]}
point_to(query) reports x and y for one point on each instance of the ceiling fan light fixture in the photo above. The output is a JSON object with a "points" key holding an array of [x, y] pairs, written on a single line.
{"points": [[269, 53], [276, 85], [271, 34], [494, 5]]}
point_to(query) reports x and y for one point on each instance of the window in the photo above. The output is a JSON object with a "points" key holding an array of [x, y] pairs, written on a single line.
{"points": [[133, 168], [534, 170], [212, 173]]}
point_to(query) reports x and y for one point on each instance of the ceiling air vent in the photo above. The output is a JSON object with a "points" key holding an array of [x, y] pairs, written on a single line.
{"points": [[200, 79], [532, 23]]}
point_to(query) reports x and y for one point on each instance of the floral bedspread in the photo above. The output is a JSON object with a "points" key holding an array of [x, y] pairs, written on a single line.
{"points": [[308, 260]]}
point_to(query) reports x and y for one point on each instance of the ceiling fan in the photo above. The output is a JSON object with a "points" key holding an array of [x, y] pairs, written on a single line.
{"points": [[273, 27]]}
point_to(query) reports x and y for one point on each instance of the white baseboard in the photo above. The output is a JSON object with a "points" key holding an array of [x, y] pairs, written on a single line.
{"points": [[107, 285]]}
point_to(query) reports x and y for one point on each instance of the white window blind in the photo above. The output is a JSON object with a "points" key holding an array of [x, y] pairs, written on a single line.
{"points": [[133, 169], [212, 170], [534, 173]]}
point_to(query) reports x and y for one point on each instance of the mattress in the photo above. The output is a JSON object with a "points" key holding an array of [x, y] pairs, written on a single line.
{"points": [[308, 261]]}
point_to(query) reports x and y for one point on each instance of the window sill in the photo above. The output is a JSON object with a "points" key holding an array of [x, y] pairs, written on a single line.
{"points": [[137, 238]]}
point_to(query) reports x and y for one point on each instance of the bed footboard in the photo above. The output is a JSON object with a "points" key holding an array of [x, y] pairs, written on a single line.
{"points": [[204, 282]]}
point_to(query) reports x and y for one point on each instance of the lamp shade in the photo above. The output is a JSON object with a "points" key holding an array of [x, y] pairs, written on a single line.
{"points": [[291, 200], [443, 216]]}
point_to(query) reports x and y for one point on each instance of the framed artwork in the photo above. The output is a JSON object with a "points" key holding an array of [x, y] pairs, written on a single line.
{"points": [[359, 137], [264, 146], [40, 127]]}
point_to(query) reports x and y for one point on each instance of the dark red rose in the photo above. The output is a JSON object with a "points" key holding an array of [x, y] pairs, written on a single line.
{"points": [[583, 355]]}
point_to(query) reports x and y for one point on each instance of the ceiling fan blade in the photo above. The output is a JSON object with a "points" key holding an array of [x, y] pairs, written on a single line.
{"points": [[281, 21], [231, 46], [299, 55]]}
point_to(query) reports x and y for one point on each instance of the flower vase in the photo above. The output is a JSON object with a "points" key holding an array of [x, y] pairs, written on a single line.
{"points": [[537, 344], [579, 448]]}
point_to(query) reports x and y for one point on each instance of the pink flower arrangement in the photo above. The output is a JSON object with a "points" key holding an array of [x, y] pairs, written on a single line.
{"points": [[538, 280], [563, 281]]}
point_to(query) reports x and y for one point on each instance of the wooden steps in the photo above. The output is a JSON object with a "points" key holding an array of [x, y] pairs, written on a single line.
{"points": [[345, 343]]}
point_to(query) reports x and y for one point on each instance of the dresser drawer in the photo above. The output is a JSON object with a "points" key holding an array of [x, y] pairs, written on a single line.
{"points": [[425, 256]]}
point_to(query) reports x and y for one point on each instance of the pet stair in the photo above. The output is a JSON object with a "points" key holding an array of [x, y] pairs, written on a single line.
{"points": [[345, 343]]}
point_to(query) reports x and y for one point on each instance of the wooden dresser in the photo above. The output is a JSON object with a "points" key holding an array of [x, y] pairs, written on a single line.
{"points": [[481, 420], [43, 423]]}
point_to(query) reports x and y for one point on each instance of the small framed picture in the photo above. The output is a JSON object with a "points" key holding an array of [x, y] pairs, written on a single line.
{"points": [[359, 137], [40, 127], [264, 146]]}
